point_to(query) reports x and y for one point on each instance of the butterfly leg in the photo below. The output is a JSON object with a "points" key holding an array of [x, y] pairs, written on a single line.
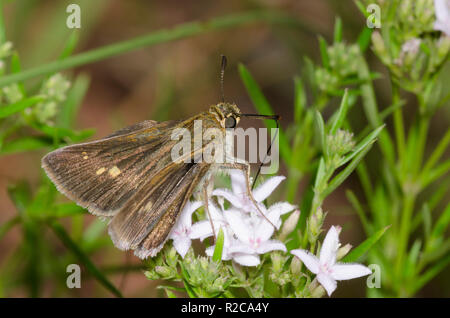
{"points": [[245, 167], [206, 195]]}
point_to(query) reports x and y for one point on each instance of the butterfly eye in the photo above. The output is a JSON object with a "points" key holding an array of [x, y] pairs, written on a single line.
{"points": [[230, 122]]}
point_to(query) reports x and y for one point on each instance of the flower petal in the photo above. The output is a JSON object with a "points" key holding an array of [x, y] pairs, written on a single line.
{"points": [[266, 188], [230, 196], [282, 207], [238, 225], [349, 271], [264, 230], [238, 181], [310, 261], [182, 245], [271, 245], [442, 10], [329, 247], [241, 248], [201, 230], [246, 259], [327, 282], [186, 214]]}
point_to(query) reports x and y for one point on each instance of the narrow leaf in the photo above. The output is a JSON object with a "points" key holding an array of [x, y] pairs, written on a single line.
{"points": [[83, 258], [341, 114], [336, 181], [368, 140], [218, 250], [11, 109], [362, 248]]}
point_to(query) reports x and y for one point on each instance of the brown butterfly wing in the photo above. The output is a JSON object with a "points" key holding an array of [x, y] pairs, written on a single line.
{"points": [[102, 175], [144, 222]]}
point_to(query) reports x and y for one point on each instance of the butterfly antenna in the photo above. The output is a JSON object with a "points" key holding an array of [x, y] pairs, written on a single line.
{"points": [[222, 74], [267, 153]]}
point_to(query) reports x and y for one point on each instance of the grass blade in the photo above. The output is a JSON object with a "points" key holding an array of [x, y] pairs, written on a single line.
{"points": [[362, 248], [161, 36], [84, 259], [12, 109]]}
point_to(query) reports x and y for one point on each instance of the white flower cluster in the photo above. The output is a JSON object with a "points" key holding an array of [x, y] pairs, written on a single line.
{"points": [[247, 233]]}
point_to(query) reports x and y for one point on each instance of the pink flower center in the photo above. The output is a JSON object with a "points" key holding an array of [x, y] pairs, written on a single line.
{"points": [[255, 242], [325, 268]]}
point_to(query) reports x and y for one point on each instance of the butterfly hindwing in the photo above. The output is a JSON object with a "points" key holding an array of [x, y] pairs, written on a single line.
{"points": [[144, 222]]}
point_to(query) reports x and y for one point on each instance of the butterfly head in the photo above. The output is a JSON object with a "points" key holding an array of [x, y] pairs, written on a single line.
{"points": [[228, 114]]}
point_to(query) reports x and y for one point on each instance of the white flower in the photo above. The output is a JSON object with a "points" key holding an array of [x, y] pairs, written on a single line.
{"points": [[247, 230], [182, 231], [238, 196], [202, 229], [326, 268], [253, 236], [245, 235], [442, 10]]}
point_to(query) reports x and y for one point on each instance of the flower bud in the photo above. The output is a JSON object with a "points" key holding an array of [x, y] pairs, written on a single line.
{"points": [[342, 251], [340, 143], [289, 225], [163, 271], [296, 266]]}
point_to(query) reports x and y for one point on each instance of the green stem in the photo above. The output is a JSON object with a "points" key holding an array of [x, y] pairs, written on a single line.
{"points": [[166, 35], [403, 235], [398, 124]]}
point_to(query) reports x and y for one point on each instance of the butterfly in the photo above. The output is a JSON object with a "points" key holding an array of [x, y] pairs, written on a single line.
{"points": [[131, 177]]}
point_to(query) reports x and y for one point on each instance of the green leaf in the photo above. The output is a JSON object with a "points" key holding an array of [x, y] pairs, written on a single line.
{"points": [[321, 134], [324, 52], [320, 173], [20, 195], [431, 273], [69, 110], [411, 262], [435, 173], [438, 152], [83, 258], [364, 39], [300, 100], [371, 111], [362, 248], [218, 250], [11, 109], [366, 142], [25, 144], [442, 223], [337, 180], [67, 209], [341, 114], [169, 293], [70, 44], [359, 209], [338, 30]]}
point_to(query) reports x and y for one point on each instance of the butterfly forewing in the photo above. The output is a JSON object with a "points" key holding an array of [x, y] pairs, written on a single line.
{"points": [[102, 175], [130, 177]]}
